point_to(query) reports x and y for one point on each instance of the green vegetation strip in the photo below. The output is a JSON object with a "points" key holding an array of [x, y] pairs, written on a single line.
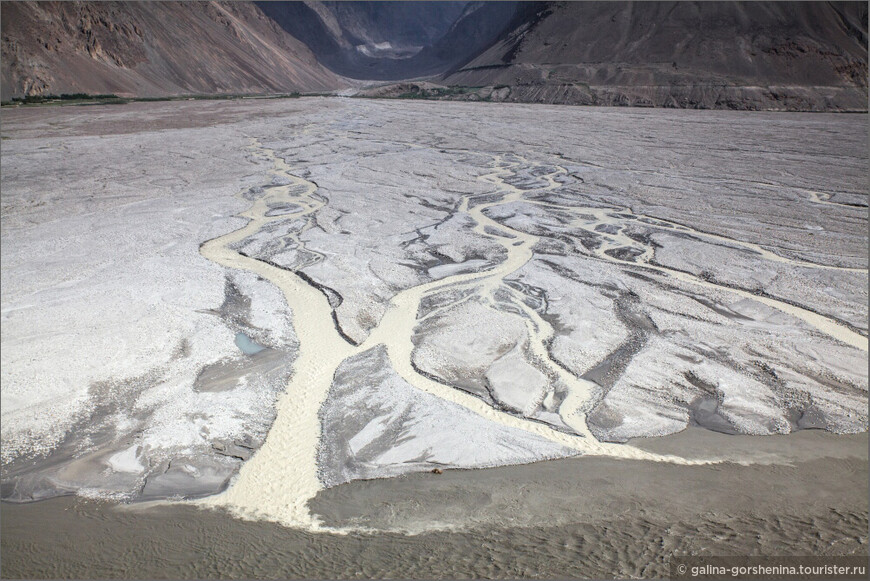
{"points": [[109, 99]]}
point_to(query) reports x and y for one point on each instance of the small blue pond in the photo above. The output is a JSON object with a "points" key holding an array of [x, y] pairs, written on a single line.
{"points": [[247, 346]]}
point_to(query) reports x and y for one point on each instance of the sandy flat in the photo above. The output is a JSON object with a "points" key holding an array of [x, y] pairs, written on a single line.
{"points": [[585, 517]]}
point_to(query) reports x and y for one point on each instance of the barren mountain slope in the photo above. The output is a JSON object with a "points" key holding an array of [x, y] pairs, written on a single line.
{"points": [[783, 55], [150, 49]]}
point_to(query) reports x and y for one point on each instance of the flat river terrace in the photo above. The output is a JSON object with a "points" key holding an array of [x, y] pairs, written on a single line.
{"points": [[343, 338]]}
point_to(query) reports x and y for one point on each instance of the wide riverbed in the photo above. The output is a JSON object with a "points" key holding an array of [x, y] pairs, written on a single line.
{"points": [[294, 311]]}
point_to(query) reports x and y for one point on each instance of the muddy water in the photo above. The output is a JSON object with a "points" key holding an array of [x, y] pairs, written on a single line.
{"points": [[279, 480], [397, 328], [826, 325], [618, 218], [593, 517], [277, 483]]}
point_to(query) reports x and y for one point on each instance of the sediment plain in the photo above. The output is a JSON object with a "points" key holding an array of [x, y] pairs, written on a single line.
{"points": [[248, 305], [584, 517]]}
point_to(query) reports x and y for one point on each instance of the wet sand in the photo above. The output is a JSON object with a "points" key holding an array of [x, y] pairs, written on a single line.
{"points": [[805, 494]]}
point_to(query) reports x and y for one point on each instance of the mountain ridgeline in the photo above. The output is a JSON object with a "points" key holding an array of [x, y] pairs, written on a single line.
{"points": [[735, 55], [151, 49]]}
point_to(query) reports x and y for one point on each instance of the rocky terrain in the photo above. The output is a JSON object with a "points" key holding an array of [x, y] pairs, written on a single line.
{"points": [[151, 49], [711, 55], [392, 286], [792, 56]]}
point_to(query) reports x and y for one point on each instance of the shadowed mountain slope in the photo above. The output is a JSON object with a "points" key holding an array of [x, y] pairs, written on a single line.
{"points": [[394, 40], [152, 49], [788, 55]]}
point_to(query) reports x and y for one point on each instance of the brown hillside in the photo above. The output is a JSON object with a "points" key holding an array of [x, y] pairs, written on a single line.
{"points": [[151, 49]]}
